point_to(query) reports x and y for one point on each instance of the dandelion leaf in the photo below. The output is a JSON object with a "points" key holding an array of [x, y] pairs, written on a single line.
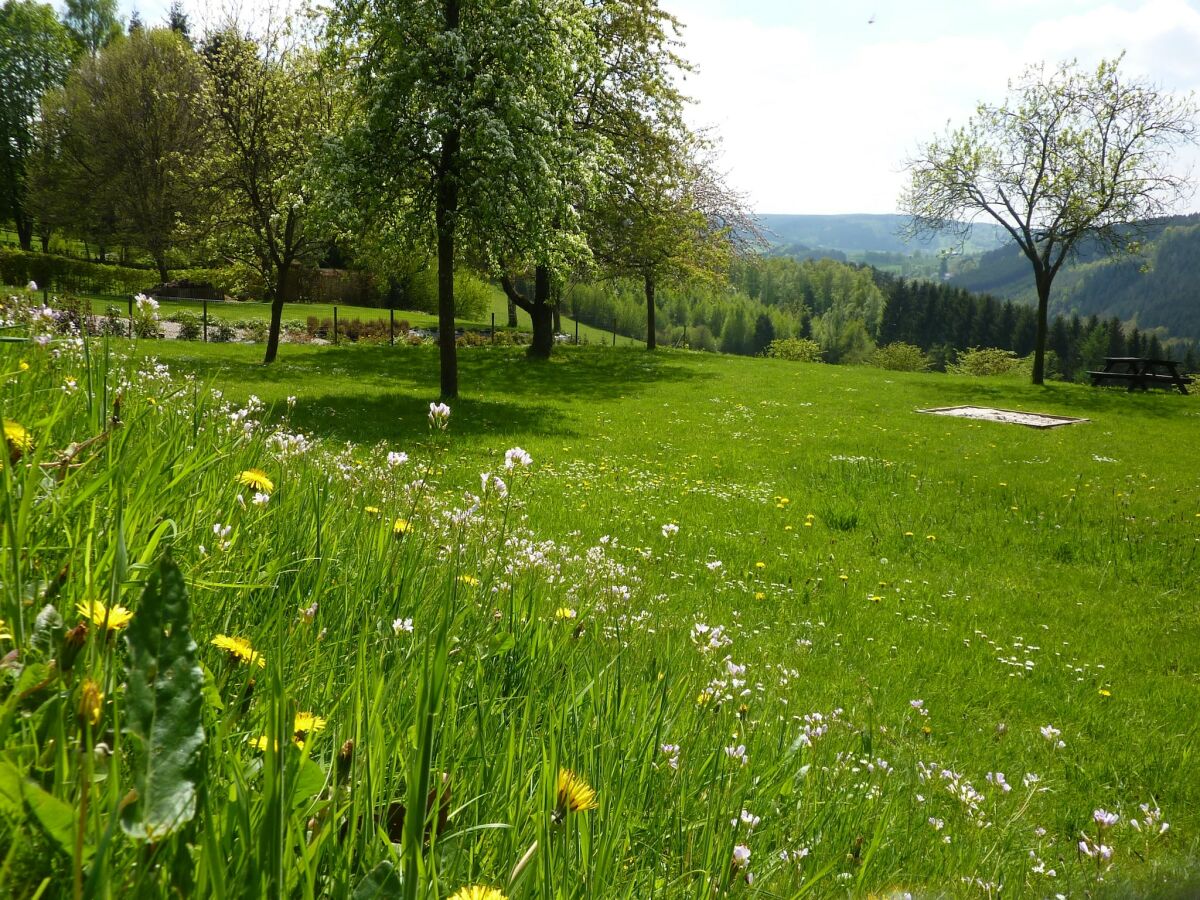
{"points": [[163, 708], [381, 882]]}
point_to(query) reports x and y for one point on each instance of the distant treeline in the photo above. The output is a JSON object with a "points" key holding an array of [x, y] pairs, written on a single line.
{"points": [[850, 310]]}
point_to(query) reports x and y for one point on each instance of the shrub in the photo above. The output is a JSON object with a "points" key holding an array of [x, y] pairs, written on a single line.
{"points": [[987, 361], [900, 357], [795, 350], [223, 333], [256, 330], [114, 324], [189, 326]]}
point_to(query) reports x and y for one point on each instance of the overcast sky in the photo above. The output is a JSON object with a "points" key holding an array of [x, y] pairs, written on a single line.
{"points": [[819, 103]]}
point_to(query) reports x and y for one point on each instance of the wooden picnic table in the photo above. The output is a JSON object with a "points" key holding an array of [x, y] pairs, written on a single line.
{"points": [[1139, 373]]}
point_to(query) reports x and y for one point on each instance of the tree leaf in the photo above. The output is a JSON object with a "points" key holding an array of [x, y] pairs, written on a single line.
{"points": [[164, 699]]}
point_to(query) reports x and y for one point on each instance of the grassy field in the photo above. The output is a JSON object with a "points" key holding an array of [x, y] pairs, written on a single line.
{"points": [[761, 608]]}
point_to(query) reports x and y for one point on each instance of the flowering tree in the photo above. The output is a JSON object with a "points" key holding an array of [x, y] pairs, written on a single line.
{"points": [[1070, 156], [464, 106], [269, 111]]}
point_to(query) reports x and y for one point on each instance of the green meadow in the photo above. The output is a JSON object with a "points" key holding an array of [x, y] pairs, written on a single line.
{"points": [[798, 638]]}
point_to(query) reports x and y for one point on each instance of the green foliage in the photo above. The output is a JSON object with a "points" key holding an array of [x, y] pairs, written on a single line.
{"points": [[987, 361], [163, 702], [35, 56], [131, 126], [796, 350], [900, 357], [190, 326], [472, 295], [93, 24]]}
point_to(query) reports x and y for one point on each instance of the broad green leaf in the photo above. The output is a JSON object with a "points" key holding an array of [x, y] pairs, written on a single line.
{"points": [[163, 706], [381, 882], [57, 818]]}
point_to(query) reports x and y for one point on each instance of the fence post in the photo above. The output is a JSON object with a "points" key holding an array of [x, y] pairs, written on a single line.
{"points": [[392, 326], [205, 323], [493, 328], [614, 331], [576, 332], [335, 334], [131, 315]]}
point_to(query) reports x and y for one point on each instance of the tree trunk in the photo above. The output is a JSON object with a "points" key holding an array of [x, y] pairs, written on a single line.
{"points": [[512, 313], [160, 260], [542, 314], [24, 232], [277, 313], [1039, 351], [445, 212], [557, 317], [46, 242], [651, 334]]}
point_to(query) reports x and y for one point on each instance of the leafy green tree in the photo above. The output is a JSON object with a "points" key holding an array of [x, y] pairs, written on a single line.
{"points": [[177, 21], [35, 56], [465, 108], [92, 23], [268, 111], [668, 215], [132, 119], [1069, 155], [764, 333]]}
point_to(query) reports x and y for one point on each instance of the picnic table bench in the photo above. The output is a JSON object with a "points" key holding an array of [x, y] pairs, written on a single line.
{"points": [[1139, 374]]}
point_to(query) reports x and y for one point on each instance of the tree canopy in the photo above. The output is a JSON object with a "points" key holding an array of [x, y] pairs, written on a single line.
{"points": [[35, 56]]}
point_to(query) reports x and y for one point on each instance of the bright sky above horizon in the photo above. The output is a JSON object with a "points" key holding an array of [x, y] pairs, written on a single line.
{"points": [[818, 104]]}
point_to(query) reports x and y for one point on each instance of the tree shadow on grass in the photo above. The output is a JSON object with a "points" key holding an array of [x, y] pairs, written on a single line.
{"points": [[374, 393], [400, 417]]}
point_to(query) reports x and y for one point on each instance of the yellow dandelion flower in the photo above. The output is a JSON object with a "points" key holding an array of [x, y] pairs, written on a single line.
{"points": [[371, 510], [760, 565], [256, 479], [305, 724], [908, 534], [787, 528], [17, 436], [1105, 692], [574, 794], [97, 612], [759, 595], [400, 526], [564, 612], [478, 892], [239, 649], [91, 703], [844, 577], [468, 580], [23, 366]]}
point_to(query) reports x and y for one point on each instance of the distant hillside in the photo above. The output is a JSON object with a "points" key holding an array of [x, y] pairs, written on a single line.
{"points": [[1158, 288], [856, 233]]}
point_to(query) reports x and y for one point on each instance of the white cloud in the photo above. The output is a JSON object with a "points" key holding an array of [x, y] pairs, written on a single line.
{"points": [[821, 123]]}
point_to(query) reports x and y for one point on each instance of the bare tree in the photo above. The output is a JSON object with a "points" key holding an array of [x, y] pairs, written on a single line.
{"points": [[1071, 156]]}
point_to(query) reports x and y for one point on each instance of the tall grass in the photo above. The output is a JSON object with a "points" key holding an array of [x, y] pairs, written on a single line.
{"points": [[747, 682]]}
